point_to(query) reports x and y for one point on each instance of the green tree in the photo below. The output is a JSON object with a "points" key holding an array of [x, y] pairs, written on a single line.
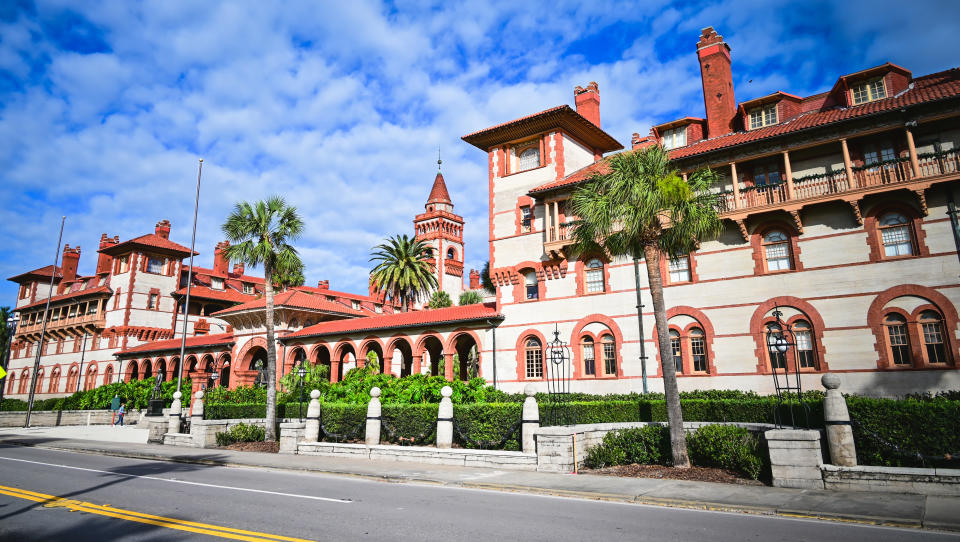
{"points": [[402, 271], [440, 299], [470, 297], [261, 234], [642, 208], [485, 281], [289, 278], [373, 362]]}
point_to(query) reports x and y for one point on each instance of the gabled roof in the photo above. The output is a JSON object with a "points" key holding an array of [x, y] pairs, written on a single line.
{"points": [[678, 122], [298, 299], [149, 241], [227, 294], [43, 272], [173, 345], [432, 317], [869, 72], [769, 98], [79, 294], [439, 194], [562, 117]]}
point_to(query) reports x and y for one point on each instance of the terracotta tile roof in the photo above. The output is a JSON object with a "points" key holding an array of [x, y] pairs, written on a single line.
{"points": [[227, 294], [929, 88], [561, 117], [44, 271], [449, 315], [439, 194], [297, 299], [70, 295], [198, 271], [151, 240], [173, 345]]}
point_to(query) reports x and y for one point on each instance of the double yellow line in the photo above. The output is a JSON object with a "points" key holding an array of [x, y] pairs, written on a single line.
{"points": [[53, 501]]}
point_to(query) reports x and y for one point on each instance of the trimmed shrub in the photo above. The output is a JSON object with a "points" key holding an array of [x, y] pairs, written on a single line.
{"points": [[231, 411], [241, 433], [340, 422], [136, 392], [487, 426], [409, 424], [929, 427], [648, 445], [727, 447]]}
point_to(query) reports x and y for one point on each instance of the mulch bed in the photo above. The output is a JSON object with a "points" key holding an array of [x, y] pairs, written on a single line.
{"points": [[696, 474], [264, 447]]}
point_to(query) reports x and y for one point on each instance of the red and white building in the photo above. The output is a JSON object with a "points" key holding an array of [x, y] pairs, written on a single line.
{"points": [[836, 213]]}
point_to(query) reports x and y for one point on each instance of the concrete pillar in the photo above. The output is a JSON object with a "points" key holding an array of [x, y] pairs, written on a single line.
{"points": [[847, 165], [335, 371], [795, 458], [291, 435], [788, 174], [445, 419], [843, 451], [529, 420], [447, 366], [196, 413], [175, 410], [912, 147], [736, 185], [417, 365], [373, 417], [312, 428]]}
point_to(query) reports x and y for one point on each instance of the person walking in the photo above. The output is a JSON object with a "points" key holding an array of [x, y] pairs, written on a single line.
{"points": [[120, 412]]}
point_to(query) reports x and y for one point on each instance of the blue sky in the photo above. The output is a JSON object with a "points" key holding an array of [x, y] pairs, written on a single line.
{"points": [[340, 107]]}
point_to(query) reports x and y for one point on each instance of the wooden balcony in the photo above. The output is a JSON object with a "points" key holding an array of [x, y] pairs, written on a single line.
{"points": [[71, 326], [556, 241]]}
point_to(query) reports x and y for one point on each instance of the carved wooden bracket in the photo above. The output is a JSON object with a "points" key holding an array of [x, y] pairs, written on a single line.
{"points": [[743, 229], [922, 196], [796, 221], [855, 207]]}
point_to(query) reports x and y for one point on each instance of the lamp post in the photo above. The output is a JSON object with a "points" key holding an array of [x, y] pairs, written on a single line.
{"points": [[12, 322], [780, 340], [213, 378], [301, 372]]}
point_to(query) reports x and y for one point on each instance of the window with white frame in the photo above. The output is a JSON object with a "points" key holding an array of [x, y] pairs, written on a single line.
{"points": [[152, 301], [526, 219], [868, 91], [803, 337], [594, 276], [609, 355], [533, 357], [679, 268], [530, 280], [899, 340], [763, 116], [355, 305], [589, 357], [778, 360], [895, 234], [155, 265], [675, 349], [528, 159], [931, 326], [248, 288], [216, 283], [698, 350], [675, 137], [776, 249]]}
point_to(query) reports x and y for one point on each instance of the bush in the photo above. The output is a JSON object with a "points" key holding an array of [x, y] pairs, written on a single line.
{"points": [[930, 427], [340, 422], [241, 432], [727, 447], [648, 445], [136, 392], [409, 424], [487, 426], [230, 411]]}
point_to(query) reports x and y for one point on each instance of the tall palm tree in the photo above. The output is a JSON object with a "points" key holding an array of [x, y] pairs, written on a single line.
{"points": [[643, 208], [261, 233], [402, 271]]}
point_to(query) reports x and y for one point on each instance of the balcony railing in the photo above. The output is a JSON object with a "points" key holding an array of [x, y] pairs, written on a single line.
{"points": [[557, 233], [94, 318], [833, 183], [887, 173]]}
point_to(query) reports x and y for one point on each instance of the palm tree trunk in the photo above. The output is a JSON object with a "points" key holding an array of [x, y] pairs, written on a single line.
{"points": [[678, 439], [271, 429]]}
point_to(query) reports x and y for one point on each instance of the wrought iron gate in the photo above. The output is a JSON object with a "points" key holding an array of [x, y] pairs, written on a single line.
{"points": [[559, 369]]}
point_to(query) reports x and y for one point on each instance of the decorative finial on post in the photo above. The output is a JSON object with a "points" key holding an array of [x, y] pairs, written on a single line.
{"points": [[439, 161]]}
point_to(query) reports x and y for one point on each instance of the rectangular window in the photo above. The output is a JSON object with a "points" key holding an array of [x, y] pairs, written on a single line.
{"points": [[534, 363], [674, 138], [123, 264], [216, 283], [378, 309], [152, 301], [355, 305], [804, 350], [155, 265], [595, 280], [675, 350], [526, 216], [933, 340], [589, 359], [680, 269], [698, 350], [116, 300], [898, 344], [609, 358], [248, 288], [778, 360], [778, 257], [763, 116], [532, 292], [868, 91]]}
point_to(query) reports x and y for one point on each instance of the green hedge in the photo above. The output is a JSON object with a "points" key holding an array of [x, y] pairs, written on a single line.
{"points": [[649, 445], [340, 422], [927, 427], [409, 424], [728, 447], [136, 392], [487, 426]]}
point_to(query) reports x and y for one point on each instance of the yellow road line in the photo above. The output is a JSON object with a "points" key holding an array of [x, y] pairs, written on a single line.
{"points": [[139, 517]]}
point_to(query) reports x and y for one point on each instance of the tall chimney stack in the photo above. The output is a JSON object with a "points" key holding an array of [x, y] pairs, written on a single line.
{"points": [[588, 102], [717, 77], [163, 229], [221, 265], [474, 279], [323, 284], [104, 262], [71, 259]]}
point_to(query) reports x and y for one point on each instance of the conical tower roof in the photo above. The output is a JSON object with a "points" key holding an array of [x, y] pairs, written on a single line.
{"points": [[439, 194]]}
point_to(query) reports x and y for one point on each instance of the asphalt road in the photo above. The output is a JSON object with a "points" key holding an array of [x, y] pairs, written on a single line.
{"points": [[53, 495]]}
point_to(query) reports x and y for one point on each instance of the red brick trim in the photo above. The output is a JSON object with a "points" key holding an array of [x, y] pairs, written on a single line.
{"points": [[937, 302], [758, 330], [759, 256], [519, 281], [578, 333], [558, 148], [915, 225], [524, 201], [521, 354]]}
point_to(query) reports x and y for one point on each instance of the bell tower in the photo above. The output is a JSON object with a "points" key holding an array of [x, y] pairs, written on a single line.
{"points": [[442, 230]]}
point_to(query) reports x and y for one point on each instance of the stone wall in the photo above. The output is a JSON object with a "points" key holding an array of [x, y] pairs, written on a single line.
{"points": [[48, 418], [892, 479], [463, 457]]}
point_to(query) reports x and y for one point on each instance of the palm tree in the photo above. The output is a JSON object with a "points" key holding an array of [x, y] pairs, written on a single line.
{"points": [[470, 297], [261, 233], [402, 271], [643, 208], [440, 299]]}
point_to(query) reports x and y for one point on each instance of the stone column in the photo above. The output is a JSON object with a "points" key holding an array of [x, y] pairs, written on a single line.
{"points": [[312, 429], [843, 451], [529, 420], [912, 147], [291, 435], [795, 458], [788, 174], [174, 417], [335, 370], [736, 185], [417, 365], [445, 419], [373, 417], [847, 165], [196, 414], [447, 366]]}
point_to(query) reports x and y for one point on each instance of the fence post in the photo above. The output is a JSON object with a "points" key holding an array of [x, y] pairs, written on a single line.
{"points": [[373, 417], [529, 420], [836, 416], [175, 410], [196, 417], [312, 431], [445, 419]]}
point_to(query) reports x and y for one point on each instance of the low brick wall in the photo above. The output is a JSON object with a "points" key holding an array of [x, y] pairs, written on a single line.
{"points": [[892, 479], [462, 457], [52, 418]]}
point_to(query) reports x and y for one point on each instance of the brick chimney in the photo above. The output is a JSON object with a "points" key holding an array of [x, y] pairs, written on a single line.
{"points": [[323, 284], [221, 265], [104, 262], [474, 279], [637, 142], [588, 102], [718, 101], [238, 268], [163, 229], [68, 266]]}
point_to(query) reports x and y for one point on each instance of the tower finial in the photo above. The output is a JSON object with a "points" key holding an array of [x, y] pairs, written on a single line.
{"points": [[439, 161]]}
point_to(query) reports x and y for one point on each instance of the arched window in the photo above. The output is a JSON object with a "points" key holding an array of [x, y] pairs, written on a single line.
{"points": [[675, 349], [91, 381], [594, 276], [895, 234], [451, 254], [776, 250], [698, 350], [778, 360], [899, 339], [533, 356], [12, 378], [589, 356], [528, 159], [24, 381], [108, 375], [530, 280], [609, 355], [931, 325], [803, 337], [134, 371], [54, 386], [39, 385]]}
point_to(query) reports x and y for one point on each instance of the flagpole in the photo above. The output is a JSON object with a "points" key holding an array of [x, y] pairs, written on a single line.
{"points": [[43, 326], [186, 303]]}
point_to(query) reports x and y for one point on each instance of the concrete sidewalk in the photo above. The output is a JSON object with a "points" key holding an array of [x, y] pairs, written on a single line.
{"points": [[919, 511]]}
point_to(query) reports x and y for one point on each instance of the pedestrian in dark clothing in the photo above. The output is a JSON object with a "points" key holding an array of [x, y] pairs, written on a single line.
{"points": [[120, 412]]}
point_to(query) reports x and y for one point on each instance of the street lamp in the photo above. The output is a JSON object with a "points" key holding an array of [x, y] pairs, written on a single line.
{"points": [[12, 321], [779, 342], [301, 372]]}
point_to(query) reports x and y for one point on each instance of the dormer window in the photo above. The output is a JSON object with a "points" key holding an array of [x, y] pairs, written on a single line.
{"points": [[216, 283], [248, 288], [868, 91], [528, 159], [763, 116], [122, 265], [355, 305], [677, 137]]}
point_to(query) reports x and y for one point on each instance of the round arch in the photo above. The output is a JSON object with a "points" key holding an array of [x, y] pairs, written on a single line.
{"points": [[757, 327]]}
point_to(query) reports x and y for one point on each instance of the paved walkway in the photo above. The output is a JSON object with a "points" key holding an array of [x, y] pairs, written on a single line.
{"points": [[926, 511]]}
